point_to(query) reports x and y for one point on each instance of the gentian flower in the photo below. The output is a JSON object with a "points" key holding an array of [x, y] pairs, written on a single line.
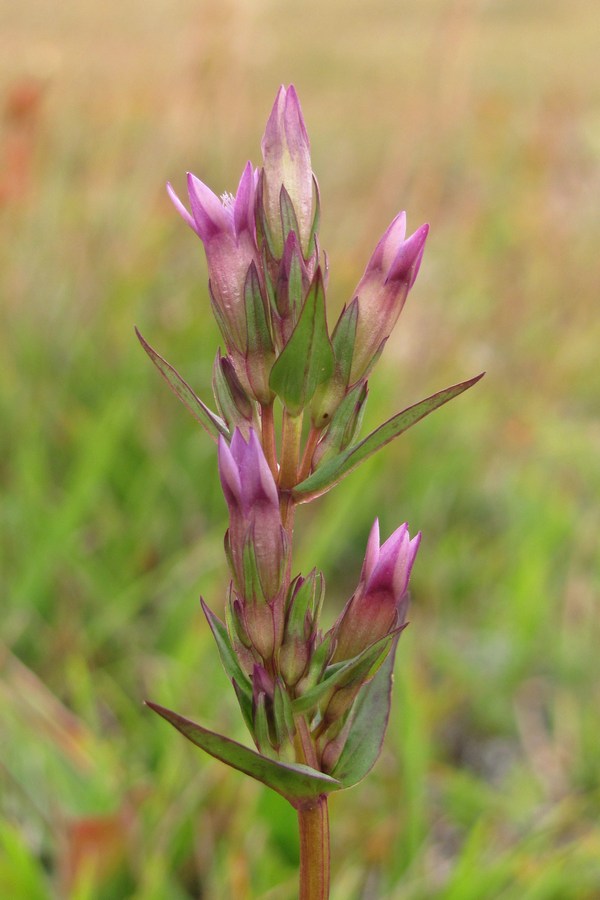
{"points": [[256, 542], [226, 227], [286, 155], [378, 606], [383, 289]]}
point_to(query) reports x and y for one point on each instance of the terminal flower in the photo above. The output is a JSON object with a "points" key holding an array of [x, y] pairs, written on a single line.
{"points": [[287, 166]]}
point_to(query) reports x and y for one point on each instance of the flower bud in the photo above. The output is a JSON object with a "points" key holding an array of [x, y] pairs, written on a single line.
{"points": [[302, 615], [288, 178], [256, 537], [379, 603], [383, 289]]}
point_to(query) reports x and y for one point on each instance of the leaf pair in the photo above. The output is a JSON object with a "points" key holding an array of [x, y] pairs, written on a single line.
{"points": [[299, 783]]}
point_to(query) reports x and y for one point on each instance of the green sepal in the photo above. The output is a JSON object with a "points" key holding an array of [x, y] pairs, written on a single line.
{"points": [[209, 421], [312, 241], [345, 423], [296, 782], [329, 396], [233, 403], [289, 221], [236, 629], [283, 716], [369, 718], [262, 734], [343, 339], [335, 469], [317, 665], [264, 237], [260, 352], [253, 591], [295, 286], [307, 359], [360, 667], [257, 322], [302, 601]]}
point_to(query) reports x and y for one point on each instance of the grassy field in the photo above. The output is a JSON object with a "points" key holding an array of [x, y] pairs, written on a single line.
{"points": [[482, 118]]}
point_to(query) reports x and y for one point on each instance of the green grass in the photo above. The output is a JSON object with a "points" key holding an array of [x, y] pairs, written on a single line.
{"points": [[483, 120]]}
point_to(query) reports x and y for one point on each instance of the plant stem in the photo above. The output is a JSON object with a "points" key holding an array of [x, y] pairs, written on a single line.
{"points": [[313, 822], [268, 438], [311, 443], [291, 435]]}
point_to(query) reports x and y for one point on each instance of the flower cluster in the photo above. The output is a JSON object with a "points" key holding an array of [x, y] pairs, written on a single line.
{"points": [[290, 396]]}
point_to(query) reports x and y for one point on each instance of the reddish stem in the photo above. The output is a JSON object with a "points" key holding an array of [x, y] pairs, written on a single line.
{"points": [[313, 822], [311, 443]]}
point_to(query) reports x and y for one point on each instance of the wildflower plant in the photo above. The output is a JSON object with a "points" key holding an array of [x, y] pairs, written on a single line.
{"points": [[316, 702]]}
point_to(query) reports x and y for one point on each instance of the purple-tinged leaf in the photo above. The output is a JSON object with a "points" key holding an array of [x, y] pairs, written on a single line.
{"points": [[209, 421], [370, 716], [327, 475], [297, 783]]}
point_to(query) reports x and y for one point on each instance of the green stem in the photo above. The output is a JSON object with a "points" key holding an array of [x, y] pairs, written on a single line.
{"points": [[313, 822], [311, 443], [268, 438], [291, 435]]}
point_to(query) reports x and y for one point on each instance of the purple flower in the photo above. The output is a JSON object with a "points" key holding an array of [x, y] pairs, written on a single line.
{"points": [[226, 227], [383, 289], [286, 155], [255, 528], [379, 603]]}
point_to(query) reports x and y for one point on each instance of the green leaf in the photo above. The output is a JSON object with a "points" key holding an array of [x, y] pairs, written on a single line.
{"points": [[344, 425], [295, 782], [370, 716], [343, 339], [307, 359], [209, 421], [341, 674], [227, 653], [335, 469]]}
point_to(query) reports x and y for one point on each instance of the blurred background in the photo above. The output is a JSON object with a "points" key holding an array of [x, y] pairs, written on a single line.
{"points": [[481, 117]]}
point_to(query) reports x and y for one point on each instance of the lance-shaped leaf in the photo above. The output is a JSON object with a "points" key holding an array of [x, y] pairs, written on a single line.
{"points": [[208, 419], [335, 469], [370, 716], [229, 660], [307, 359], [296, 782]]}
